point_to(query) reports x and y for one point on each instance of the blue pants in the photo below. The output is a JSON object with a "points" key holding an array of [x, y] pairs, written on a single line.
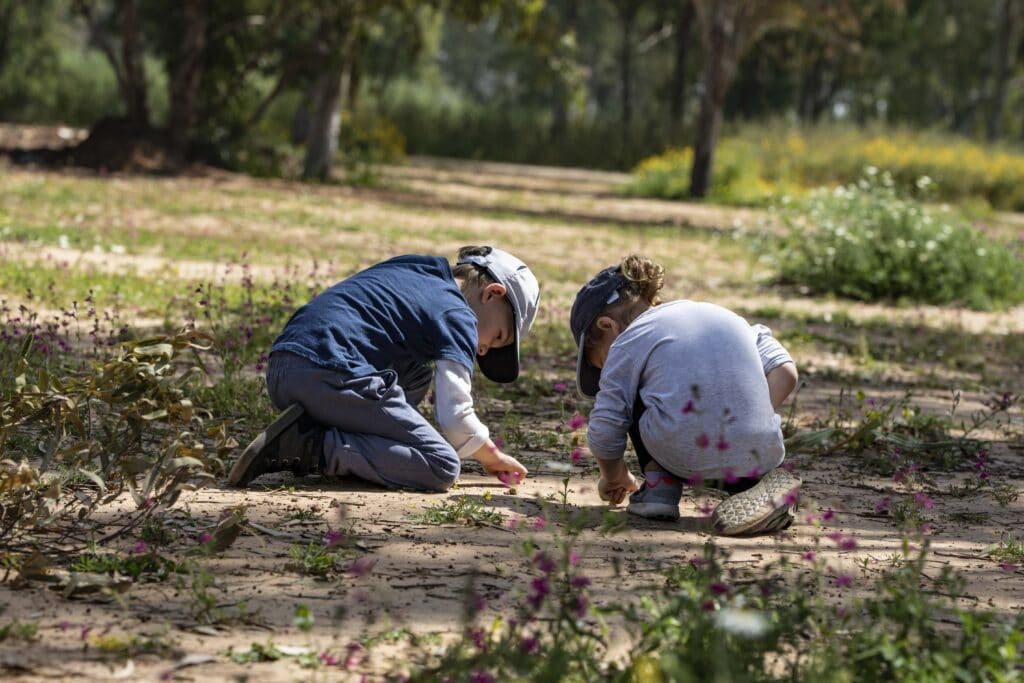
{"points": [[374, 430]]}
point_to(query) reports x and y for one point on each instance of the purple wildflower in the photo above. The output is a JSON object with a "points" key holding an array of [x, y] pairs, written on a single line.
{"points": [[688, 408], [361, 566], [702, 440], [576, 422], [924, 501]]}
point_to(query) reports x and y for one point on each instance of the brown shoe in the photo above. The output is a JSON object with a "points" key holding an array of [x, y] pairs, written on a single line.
{"points": [[767, 507], [293, 442]]}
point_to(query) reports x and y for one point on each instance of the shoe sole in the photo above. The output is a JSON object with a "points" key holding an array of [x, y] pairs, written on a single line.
{"points": [[237, 475], [760, 509], [654, 511]]}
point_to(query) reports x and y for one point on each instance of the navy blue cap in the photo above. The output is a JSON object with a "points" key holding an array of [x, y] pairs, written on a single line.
{"points": [[602, 290]]}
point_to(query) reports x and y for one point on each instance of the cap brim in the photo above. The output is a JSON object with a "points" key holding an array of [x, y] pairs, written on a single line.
{"points": [[588, 378], [501, 364]]}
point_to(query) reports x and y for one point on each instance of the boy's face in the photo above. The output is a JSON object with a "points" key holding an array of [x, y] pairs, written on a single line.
{"points": [[495, 321]]}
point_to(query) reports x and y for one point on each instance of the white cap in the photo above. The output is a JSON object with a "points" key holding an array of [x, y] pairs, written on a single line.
{"points": [[522, 291]]}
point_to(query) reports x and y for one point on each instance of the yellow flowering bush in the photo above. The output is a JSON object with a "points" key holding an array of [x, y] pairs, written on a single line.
{"points": [[761, 162]]}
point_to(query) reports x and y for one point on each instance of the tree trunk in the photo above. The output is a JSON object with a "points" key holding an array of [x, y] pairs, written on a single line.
{"points": [[677, 92], [134, 84], [627, 17], [719, 71], [1005, 56], [324, 125], [186, 79], [809, 109], [560, 92]]}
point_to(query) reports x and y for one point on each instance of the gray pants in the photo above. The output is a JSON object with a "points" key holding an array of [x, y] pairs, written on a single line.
{"points": [[374, 431]]}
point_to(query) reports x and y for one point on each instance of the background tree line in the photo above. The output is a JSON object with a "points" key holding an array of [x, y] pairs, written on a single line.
{"points": [[601, 83]]}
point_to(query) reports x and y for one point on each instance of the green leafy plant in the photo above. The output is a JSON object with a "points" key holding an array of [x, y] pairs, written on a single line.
{"points": [[145, 566], [863, 241], [316, 559], [464, 510], [121, 424]]}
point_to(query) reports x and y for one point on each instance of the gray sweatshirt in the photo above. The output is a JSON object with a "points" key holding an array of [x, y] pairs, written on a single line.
{"points": [[699, 370]]}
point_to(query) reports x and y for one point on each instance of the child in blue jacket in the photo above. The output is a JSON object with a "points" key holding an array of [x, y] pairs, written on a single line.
{"points": [[352, 365]]}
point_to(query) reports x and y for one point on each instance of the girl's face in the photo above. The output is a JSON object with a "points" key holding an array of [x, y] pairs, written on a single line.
{"points": [[495, 321], [609, 330]]}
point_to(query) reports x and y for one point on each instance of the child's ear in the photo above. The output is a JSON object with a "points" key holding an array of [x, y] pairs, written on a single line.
{"points": [[608, 324], [493, 290]]}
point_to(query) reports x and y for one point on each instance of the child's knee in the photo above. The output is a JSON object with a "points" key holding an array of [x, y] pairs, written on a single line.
{"points": [[444, 467]]}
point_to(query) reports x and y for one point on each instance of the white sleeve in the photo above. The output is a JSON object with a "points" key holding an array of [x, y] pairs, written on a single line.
{"points": [[453, 409], [773, 354]]}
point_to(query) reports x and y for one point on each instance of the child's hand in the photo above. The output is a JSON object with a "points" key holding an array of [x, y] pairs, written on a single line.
{"points": [[506, 468], [616, 491]]}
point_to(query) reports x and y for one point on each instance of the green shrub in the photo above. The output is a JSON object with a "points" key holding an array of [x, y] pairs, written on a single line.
{"points": [[863, 241]]}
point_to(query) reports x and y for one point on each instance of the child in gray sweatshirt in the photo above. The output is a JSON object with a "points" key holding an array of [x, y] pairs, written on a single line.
{"points": [[695, 387]]}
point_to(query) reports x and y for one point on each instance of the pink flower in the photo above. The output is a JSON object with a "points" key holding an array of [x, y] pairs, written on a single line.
{"points": [[808, 556], [543, 562], [84, 633], [580, 582], [539, 524], [577, 454], [792, 497], [205, 537], [728, 476], [843, 581], [702, 440], [499, 442], [479, 638], [333, 538], [361, 566], [327, 659], [719, 588], [844, 542], [1009, 567], [924, 501], [481, 677], [574, 558], [560, 387], [722, 444], [827, 514], [576, 422], [697, 562], [514, 522], [688, 408], [539, 589], [706, 508], [139, 548], [753, 474], [882, 506], [788, 466], [530, 645]]}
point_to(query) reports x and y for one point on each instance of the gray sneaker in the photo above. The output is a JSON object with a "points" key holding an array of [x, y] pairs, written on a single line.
{"points": [[660, 501], [766, 508]]}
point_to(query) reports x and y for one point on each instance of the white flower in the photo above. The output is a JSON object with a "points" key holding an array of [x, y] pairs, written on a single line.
{"points": [[63, 241], [745, 623]]}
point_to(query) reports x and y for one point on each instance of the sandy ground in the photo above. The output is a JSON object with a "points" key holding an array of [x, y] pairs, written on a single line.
{"points": [[416, 571]]}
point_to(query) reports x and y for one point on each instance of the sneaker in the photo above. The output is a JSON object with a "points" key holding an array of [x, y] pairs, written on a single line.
{"points": [[293, 442], [657, 501], [766, 508]]}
